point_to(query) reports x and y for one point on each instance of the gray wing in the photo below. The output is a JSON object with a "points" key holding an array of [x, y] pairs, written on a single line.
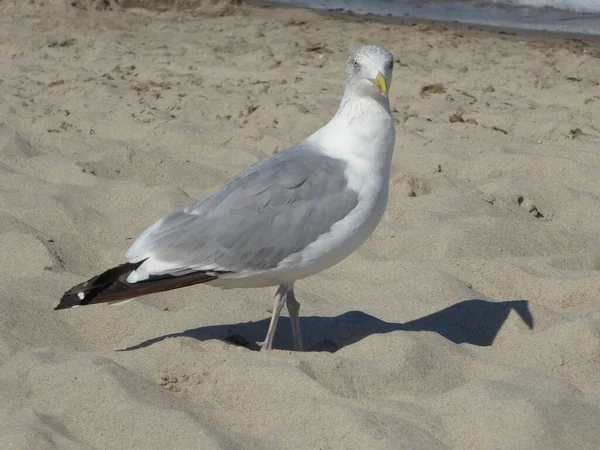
{"points": [[271, 210]]}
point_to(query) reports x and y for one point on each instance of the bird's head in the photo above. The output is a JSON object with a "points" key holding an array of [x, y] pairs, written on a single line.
{"points": [[369, 71]]}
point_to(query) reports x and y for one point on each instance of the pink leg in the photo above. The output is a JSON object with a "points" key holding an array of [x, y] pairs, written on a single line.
{"points": [[280, 296], [294, 309]]}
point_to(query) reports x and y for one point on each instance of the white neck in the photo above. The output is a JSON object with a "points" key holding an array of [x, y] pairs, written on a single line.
{"points": [[350, 98], [361, 133]]}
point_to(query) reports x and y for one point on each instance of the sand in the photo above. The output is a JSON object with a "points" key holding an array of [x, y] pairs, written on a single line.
{"points": [[470, 319]]}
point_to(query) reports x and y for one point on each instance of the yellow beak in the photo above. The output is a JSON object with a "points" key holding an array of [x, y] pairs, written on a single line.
{"points": [[380, 83]]}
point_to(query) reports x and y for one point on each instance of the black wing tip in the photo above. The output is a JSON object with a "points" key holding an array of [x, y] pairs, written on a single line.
{"points": [[69, 300], [111, 286], [83, 293]]}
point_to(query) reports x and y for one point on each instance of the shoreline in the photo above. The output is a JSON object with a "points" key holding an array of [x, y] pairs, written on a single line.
{"points": [[505, 31]]}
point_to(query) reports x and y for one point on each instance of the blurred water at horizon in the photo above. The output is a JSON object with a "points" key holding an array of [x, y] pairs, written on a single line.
{"points": [[573, 16]]}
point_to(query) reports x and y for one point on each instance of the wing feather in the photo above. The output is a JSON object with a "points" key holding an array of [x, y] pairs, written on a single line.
{"points": [[270, 211]]}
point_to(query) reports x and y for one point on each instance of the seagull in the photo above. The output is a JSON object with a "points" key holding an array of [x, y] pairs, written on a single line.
{"points": [[282, 219]]}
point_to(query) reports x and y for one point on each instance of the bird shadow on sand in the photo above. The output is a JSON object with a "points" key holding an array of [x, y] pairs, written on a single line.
{"points": [[475, 322]]}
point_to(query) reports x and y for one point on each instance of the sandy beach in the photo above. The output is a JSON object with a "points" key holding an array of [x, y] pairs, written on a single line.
{"points": [[469, 320]]}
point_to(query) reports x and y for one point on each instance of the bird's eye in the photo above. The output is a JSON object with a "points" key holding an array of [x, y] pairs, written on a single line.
{"points": [[391, 65], [355, 63]]}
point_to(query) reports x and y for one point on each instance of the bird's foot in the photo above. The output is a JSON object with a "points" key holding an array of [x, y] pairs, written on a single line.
{"points": [[265, 346]]}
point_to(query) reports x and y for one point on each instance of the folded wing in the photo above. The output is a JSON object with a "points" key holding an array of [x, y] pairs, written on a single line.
{"points": [[270, 211]]}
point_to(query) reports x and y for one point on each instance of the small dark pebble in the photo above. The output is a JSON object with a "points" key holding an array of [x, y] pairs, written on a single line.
{"points": [[456, 117], [433, 89]]}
